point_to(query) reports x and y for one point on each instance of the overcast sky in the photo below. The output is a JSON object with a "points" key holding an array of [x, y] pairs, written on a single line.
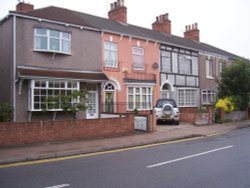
{"points": [[223, 23]]}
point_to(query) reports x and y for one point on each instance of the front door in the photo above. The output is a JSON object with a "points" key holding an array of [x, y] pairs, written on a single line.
{"points": [[109, 102], [92, 103]]}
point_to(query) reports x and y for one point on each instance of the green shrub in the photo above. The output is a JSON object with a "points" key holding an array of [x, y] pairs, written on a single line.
{"points": [[5, 112]]}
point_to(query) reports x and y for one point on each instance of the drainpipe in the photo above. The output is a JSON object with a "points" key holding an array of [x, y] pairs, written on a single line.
{"points": [[14, 69]]}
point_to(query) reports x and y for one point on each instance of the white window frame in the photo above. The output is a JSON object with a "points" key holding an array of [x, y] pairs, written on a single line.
{"points": [[110, 51], [209, 69], [138, 52], [137, 91], [46, 88], [209, 95], [47, 36], [187, 101]]}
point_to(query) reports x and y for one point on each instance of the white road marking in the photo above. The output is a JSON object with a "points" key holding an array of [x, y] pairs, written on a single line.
{"points": [[58, 186], [187, 157]]}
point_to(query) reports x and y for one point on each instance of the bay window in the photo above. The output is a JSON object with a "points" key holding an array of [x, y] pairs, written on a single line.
{"points": [[52, 41], [139, 98], [41, 90]]}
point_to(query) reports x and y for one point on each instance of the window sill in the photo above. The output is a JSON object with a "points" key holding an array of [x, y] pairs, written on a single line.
{"points": [[55, 110], [210, 77], [51, 52]]}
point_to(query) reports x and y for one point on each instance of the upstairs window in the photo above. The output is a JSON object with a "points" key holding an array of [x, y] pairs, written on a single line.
{"points": [[52, 41], [185, 65], [166, 62], [138, 58], [209, 69], [110, 55]]}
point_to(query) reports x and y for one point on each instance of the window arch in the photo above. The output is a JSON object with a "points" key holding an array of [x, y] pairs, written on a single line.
{"points": [[166, 90], [109, 87]]}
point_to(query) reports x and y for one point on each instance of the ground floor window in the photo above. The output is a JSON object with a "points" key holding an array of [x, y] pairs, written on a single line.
{"points": [[41, 90], [208, 96], [187, 97], [139, 98]]}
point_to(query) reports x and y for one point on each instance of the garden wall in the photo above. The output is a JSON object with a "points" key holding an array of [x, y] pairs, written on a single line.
{"points": [[25, 133]]}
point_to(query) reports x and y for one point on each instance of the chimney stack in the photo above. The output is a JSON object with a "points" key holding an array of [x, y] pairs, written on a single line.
{"points": [[192, 32], [24, 7], [162, 24], [118, 11]]}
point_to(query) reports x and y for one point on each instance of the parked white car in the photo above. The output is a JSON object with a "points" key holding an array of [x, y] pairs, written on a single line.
{"points": [[167, 111]]}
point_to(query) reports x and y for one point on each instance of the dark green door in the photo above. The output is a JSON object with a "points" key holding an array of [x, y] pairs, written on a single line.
{"points": [[109, 102]]}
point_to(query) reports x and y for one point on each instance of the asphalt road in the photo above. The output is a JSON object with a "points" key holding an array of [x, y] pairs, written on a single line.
{"points": [[221, 161]]}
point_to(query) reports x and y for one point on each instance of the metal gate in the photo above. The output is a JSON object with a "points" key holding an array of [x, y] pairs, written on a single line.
{"points": [[140, 123]]}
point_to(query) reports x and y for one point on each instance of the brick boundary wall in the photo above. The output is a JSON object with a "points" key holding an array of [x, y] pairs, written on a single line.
{"points": [[27, 133], [187, 114]]}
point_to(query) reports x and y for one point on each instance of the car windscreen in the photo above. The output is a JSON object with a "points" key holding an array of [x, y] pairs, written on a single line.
{"points": [[161, 103]]}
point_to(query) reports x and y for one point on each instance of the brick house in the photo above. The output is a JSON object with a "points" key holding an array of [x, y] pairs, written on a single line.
{"points": [[42, 54]]}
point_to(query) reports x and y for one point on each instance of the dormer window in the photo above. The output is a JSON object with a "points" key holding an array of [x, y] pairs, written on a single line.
{"points": [[47, 40]]}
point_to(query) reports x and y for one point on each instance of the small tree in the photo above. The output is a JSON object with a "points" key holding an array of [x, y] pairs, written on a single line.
{"points": [[235, 83]]}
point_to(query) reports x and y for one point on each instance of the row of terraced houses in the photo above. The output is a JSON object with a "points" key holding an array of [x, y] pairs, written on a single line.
{"points": [[55, 51]]}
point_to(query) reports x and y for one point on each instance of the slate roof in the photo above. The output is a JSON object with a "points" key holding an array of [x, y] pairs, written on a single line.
{"points": [[104, 24]]}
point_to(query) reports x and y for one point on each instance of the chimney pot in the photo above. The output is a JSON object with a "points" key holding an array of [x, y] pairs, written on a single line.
{"points": [[118, 3], [122, 3], [111, 6], [196, 26], [166, 16]]}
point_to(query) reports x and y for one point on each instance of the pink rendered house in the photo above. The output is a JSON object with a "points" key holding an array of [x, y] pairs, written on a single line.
{"points": [[131, 63]]}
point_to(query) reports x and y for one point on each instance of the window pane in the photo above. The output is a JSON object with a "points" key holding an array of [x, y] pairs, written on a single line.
{"points": [[54, 44], [130, 90], [137, 101], [41, 31], [41, 43], [130, 102], [66, 36], [65, 46], [144, 102], [54, 34]]}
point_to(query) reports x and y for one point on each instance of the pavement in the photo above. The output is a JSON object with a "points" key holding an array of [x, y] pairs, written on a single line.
{"points": [[163, 134]]}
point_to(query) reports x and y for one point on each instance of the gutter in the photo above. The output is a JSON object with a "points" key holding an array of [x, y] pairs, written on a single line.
{"points": [[54, 22], [14, 70]]}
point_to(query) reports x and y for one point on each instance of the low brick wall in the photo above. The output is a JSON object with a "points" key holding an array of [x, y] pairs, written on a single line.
{"points": [[25, 133], [188, 114]]}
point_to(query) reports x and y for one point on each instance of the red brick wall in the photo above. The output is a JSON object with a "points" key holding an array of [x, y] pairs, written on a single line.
{"points": [[24, 133], [188, 114]]}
